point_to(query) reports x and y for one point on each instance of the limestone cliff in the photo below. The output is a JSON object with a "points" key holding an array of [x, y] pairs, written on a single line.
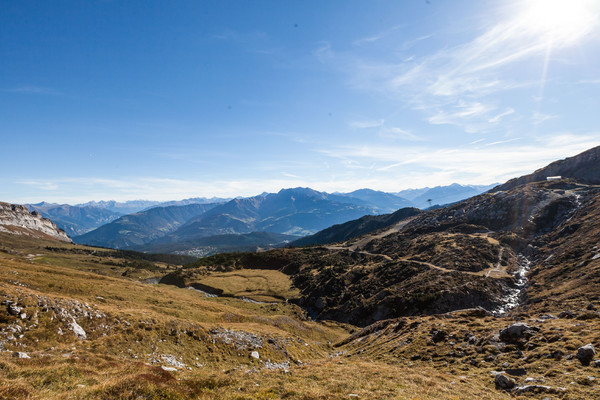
{"points": [[17, 219]]}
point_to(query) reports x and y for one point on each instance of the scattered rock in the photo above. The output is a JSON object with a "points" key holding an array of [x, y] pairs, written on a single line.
{"points": [[567, 314], [20, 354], [172, 361], [516, 371], [547, 316], [517, 332], [284, 366], [77, 330], [538, 389], [585, 354], [13, 309], [504, 382], [438, 335], [557, 355], [589, 315], [533, 380], [240, 339]]}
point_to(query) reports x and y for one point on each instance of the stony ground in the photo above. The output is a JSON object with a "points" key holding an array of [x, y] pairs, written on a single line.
{"points": [[72, 326]]}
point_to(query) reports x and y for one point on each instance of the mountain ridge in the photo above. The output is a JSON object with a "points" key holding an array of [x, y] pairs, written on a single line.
{"points": [[583, 167], [74, 220], [17, 219], [141, 227]]}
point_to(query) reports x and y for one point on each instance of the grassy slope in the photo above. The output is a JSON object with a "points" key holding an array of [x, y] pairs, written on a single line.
{"points": [[130, 325]]}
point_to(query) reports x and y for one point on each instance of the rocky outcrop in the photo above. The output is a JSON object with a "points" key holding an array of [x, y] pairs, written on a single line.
{"points": [[17, 219]]}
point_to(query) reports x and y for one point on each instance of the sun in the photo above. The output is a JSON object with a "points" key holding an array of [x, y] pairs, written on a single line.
{"points": [[562, 21]]}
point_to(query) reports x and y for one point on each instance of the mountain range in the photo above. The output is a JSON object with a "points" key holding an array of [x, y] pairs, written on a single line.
{"points": [[133, 206], [75, 220], [292, 212], [142, 227]]}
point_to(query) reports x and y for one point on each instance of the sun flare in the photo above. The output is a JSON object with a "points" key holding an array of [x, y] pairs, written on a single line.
{"points": [[562, 21]]}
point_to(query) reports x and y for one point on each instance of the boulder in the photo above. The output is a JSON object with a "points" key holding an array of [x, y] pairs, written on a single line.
{"points": [[255, 355], [77, 330], [517, 332], [20, 354], [585, 354], [567, 314], [504, 382], [14, 309], [438, 335]]}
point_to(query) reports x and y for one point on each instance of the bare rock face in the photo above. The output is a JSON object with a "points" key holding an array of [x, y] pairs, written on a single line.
{"points": [[16, 219]]}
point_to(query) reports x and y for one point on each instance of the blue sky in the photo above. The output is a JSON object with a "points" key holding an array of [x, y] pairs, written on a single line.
{"points": [[167, 100]]}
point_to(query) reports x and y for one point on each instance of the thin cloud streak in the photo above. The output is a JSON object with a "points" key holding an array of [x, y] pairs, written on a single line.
{"points": [[493, 162], [390, 168], [33, 90]]}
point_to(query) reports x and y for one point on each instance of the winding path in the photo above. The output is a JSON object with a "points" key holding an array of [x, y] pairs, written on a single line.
{"points": [[497, 271]]}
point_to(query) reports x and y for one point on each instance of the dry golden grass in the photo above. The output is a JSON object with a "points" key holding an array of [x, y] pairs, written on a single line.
{"points": [[121, 357], [256, 284], [90, 376]]}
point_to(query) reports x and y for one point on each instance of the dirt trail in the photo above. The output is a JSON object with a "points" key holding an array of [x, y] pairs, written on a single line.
{"points": [[393, 229], [497, 271]]}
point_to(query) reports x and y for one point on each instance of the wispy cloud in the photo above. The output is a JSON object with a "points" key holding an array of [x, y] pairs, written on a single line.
{"points": [[366, 124], [388, 167], [376, 37], [537, 118], [42, 185], [497, 118], [494, 162], [33, 90], [502, 142], [460, 112], [399, 133], [385, 131]]}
